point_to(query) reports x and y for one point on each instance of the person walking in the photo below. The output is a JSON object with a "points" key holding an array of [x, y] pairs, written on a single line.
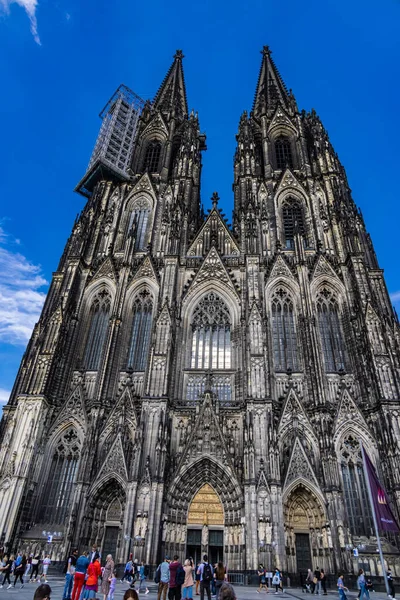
{"points": [[92, 581], [69, 574], [113, 584], [107, 576], [164, 579], [219, 577], [81, 566], [128, 571], [35, 568], [391, 585], [45, 567], [277, 581], [197, 579], [317, 581], [362, 584], [262, 580], [323, 582], [28, 565], [206, 574], [310, 581], [187, 587], [341, 587], [6, 570], [142, 578], [174, 587], [20, 570]]}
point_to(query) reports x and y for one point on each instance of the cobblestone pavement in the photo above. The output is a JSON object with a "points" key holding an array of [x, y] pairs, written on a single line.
{"points": [[243, 592]]}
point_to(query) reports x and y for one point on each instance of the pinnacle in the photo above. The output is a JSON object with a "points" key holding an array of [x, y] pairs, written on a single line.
{"points": [[215, 199], [179, 55]]}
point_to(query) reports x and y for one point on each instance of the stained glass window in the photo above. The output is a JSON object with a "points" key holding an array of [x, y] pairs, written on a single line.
{"points": [[354, 487], [283, 152], [330, 331], [99, 319], [211, 334], [152, 157], [293, 220], [141, 331], [284, 338]]}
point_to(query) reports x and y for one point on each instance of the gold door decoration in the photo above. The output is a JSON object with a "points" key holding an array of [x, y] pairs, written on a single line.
{"points": [[206, 508]]}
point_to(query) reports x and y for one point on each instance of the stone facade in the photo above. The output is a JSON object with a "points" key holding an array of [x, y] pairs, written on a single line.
{"points": [[178, 358]]}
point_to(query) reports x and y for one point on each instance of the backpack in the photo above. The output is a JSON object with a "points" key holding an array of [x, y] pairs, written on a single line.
{"points": [[207, 573], [180, 575], [157, 575]]}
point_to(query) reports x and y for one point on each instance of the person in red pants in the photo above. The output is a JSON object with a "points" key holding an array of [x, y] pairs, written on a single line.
{"points": [[80, 571]]}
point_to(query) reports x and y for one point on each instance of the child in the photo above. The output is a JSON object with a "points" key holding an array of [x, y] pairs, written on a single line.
{"points": [[113, 582], [46, 564]]}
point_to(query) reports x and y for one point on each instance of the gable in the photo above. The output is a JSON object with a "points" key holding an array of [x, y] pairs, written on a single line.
{"points": [[212, 268], [280, 269], [299, 466], [106, 269], [323, 267], [289, 180], [156, 124], [214, 231], [143, 185], [146, 269], [280, 119]]}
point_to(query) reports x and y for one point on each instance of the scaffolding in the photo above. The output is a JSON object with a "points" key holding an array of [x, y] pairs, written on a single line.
{"points": [[112, 154]]}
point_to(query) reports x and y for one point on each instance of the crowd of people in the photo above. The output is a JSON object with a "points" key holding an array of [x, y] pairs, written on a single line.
{"points": [[20, 567]]}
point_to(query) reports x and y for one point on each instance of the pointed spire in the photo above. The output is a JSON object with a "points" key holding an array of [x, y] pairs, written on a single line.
{"points": [[171, 96], [270, 87]]}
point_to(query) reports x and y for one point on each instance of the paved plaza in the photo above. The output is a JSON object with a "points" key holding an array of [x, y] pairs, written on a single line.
{"points": [[243, 592]]}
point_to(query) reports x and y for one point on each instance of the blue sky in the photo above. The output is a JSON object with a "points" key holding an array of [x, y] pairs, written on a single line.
{"points": [[60, 62]]}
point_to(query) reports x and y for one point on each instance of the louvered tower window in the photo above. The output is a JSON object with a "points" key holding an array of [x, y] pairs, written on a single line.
{"points": [[330, 331], [139, 223], [58, 489], [211, 334], [293, 221], [354, 487], [141, 331], [99, 319], [284, 338], [152, 157], [283, 153]]}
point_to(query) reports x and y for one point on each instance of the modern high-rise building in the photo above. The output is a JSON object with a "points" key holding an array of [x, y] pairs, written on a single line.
{"points": [[193, 387]]}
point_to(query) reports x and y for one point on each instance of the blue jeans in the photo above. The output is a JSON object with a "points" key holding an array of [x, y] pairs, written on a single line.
{"points": [[363, 590], [342, 595], [69, 580], [187, 592]]}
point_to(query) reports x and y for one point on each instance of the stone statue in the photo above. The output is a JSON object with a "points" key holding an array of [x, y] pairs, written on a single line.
{"points": [[261, 531], [341, 536], [164, 531], [204, 536], [292, 538], [144, 525], [183, 534], [329, 534], [268, 533], [173, 532], [325, 538]]}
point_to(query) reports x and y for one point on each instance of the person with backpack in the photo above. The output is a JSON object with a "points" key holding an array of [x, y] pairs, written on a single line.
{"points": [[176, 578], [162, 578], [206, 574]]}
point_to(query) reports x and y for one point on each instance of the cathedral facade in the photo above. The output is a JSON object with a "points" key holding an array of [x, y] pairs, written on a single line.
{"points": [[193, 387]]}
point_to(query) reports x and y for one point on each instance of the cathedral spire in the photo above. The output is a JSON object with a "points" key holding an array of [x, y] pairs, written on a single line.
{"points": [[270, 87], [171, 96]]}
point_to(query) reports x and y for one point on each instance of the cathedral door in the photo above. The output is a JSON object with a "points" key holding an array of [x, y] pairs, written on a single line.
{"points": [[216, 546], [110, 542], [194, 545], [303, 552], [205, 522]]}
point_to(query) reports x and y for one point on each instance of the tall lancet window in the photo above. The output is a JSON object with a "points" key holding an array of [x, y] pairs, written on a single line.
{"points": [[211, 334], [58, 488], [283, 153], [141, 331], [138, 223], [293, 220], [330, 331], [284, 338], [152, 157], [99, 319], [354, 487]]}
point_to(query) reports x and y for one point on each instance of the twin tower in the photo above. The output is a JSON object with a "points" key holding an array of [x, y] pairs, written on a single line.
{"points": [[193, 387]]}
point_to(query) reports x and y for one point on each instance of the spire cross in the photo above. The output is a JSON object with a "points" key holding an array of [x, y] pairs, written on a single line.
{"points": [[214, 199], [179, 55], [266, 51]]}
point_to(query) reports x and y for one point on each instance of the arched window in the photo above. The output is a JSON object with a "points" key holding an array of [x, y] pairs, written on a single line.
{"points": [[293, 220], [99, 319], [152, 157], [141, 331], [354, 488], [58, 488], [330, 331], [211, 334], [284, 338], [283, 153], [138, 223]]}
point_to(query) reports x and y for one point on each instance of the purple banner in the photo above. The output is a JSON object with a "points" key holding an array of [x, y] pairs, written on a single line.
{"points": [[383, 512]]}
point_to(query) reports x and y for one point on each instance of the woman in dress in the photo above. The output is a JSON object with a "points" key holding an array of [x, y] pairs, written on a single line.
{"points": [[93, 572], [107, 575], [187, 587]]}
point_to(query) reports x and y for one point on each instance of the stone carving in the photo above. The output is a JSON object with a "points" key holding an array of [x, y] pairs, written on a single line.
{"points": [[299, 466], [115, 460], [212, 268]]}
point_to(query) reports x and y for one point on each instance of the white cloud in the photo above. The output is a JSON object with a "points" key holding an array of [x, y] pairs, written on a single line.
{"points": [[21, 298], [4, 396], [395, 297], [30, 7]]}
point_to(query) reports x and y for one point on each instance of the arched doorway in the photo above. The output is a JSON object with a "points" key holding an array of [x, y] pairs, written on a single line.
{"points": [[106, 512], [305, 530], [205, 525]]}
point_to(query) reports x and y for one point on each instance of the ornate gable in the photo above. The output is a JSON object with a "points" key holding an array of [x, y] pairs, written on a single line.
{"points": [[280, 269], [323, 267], [289, 180], [348, 412], [73, 408], [143, 185], [281, 119], [217, 232], [293, 407], [212, 268], [106, 269], [115, 461], [206, 438], [157, 123], [146, 269], [299, 466]]}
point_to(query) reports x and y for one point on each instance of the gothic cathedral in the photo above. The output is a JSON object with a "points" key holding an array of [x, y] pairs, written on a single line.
{"points": [[197, 387]]}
